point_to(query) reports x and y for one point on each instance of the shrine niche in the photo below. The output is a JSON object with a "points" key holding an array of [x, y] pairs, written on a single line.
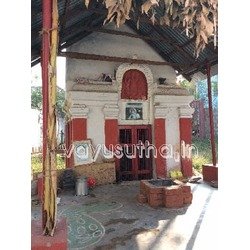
{"points": [[134, 85]]}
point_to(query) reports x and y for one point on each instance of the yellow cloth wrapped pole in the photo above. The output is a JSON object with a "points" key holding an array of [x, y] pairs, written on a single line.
{"points": [[50, 173]]}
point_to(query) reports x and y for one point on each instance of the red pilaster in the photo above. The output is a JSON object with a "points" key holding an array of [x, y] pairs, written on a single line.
{"points": [[111, 132], [76, 130], [186, 136], [160, 139]]}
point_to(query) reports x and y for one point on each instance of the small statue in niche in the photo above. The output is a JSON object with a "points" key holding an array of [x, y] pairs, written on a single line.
{"points": [[162, 80], [105, 77]]}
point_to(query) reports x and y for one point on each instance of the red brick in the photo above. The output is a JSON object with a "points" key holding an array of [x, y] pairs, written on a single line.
{"points": [[171, 198], [173, 190], [156, 190], [186, 189], [174, 201], [142, 185], [143, 188], [147, 188], [155, 202], [142, 198], [186, 195], [156, 196], [188, 199]]}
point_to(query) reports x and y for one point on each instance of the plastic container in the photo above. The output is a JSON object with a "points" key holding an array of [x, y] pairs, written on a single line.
{"points": [[81, 186]]}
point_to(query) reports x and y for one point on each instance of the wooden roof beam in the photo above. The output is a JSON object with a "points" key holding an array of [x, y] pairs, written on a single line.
{"points": [[199, 66], [63, 20], [183, 45], [82, 26], [85, 56]]}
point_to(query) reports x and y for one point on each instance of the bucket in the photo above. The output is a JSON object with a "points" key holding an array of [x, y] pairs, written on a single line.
{"points": [[81, 186]]}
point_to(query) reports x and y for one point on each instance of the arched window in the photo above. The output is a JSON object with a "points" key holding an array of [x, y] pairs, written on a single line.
{"points": [[134, 85]]}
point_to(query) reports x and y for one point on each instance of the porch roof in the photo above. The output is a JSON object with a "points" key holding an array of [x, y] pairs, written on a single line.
{"points": [[77, 22]]}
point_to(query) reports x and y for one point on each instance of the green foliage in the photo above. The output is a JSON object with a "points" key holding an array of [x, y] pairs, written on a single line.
{"points": [[202, 91], [60, 99], [36, 100], [191, 87], [37, 163], [204, 153]]}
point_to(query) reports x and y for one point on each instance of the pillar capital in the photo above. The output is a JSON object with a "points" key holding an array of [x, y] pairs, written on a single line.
{"points": [[79, 111], [186, 111], [111, 111]]}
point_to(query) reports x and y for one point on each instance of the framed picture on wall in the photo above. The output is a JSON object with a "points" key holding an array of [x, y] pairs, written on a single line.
{"points": [[83, 152], [134, 111]]}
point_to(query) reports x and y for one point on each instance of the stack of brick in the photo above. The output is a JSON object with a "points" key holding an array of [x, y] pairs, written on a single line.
{"points": [[155, 196], [187, 194], [177, 196], [174, 196]]}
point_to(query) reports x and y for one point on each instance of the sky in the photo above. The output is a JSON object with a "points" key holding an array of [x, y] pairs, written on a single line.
{"points": [[36, 79]]}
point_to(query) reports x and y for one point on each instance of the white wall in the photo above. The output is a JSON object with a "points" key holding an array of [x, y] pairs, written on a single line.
{"points": [[173, 138], [112, 45]]}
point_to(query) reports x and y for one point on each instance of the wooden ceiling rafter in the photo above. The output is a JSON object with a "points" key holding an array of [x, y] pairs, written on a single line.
{"points": [[63, 19], [86, 56], [123, 33], [199, 66], [177, 47], [80, 32], [182, 45], [150, 43], [164, 55]]}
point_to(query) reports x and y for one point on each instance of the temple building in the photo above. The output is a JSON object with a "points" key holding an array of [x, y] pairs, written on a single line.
{"points": [[121, 103]]}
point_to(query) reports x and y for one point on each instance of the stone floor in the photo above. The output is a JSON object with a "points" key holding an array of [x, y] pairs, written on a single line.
{"points": [[111, 218]]}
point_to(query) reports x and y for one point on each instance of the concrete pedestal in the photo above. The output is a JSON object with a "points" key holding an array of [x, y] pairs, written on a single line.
{"points": [[41, 242]]}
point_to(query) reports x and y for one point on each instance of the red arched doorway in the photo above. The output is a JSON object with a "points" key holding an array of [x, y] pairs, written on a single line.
{"points": [[134, 85]]}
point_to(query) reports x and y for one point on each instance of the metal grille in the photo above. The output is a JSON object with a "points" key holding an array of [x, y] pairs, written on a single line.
{"points": [[125, 136]]}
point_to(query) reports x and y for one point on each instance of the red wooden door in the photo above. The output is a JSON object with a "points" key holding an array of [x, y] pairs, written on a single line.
{"points": [[134, 164]]}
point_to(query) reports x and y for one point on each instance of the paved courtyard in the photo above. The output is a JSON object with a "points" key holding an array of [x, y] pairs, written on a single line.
{"points": [[111, 218]]}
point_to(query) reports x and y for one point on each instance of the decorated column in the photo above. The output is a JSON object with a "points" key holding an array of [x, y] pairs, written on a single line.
{"points": [[111, 125], [159, 141], [76, 129], [185, 122]]}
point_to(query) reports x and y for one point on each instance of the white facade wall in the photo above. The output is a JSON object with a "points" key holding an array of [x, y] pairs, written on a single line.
{"points": [[112, 45]]}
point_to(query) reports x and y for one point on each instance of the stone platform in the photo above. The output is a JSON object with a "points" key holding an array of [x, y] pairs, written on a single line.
{"points": [[40, 242]]}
